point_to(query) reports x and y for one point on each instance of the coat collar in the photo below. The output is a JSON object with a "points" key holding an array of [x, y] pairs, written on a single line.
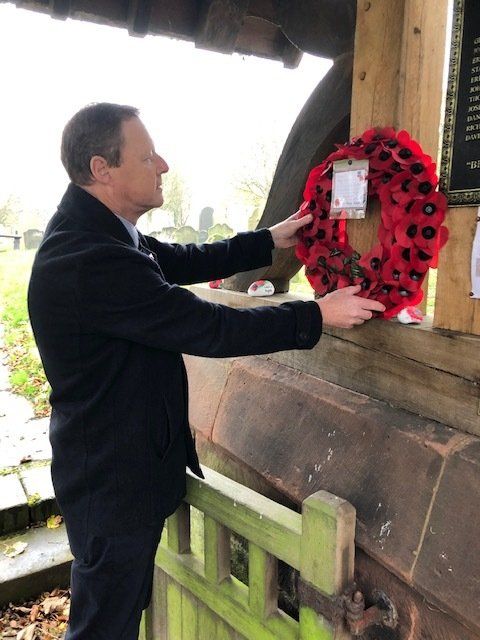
{"points": [[91, 214]]}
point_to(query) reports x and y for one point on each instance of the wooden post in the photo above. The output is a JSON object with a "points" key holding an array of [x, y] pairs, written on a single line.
{"points": [[217, 550], [327, 552], [262, 582], [397, 80], [454, 309], [178, 527]]}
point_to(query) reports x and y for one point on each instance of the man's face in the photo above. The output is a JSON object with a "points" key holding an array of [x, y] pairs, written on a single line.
{"points": [[137, 181]]}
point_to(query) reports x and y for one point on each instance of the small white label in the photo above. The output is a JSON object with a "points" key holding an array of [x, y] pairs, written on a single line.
{"points": [[349, 189]]}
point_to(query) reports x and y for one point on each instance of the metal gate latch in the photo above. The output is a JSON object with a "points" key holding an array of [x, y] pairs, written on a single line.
{"points": [[383, 612]]}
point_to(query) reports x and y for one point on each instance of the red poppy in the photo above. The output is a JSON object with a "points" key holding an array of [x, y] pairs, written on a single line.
{"points": [[408, 151]]}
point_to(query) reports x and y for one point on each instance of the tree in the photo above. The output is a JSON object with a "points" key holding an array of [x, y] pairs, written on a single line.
{"points": [[252, 183], [176, 197], [10, 212]]}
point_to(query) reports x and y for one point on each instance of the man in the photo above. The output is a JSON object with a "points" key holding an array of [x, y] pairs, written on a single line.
{"points": [[111, 322]]}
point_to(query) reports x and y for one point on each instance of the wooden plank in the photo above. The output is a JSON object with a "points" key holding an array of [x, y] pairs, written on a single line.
{"points": [[328, 542], [217, 550], [314, 627], [255, 517], [174, 610], [207, 626], [262, 582], [229, 600], [428, 371], [401, 382], [178, 527], [458, 354], [454, 308], [376, 68], [156, 614], [189, 616]]}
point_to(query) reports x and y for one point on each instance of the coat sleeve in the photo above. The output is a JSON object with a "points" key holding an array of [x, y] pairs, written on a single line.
{"points": [[122, 294], [192, 263]]}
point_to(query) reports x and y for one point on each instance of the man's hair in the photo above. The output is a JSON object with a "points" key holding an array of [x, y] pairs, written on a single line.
{"points": [[95, 130]]}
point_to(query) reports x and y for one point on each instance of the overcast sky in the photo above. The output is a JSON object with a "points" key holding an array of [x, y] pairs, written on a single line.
{"points": [[205, 111]]}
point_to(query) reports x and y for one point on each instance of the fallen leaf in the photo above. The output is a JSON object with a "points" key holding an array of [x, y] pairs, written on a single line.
{"points": [[27, 633], [53, 522], [49, 605], [15, 549], [35, 610]]}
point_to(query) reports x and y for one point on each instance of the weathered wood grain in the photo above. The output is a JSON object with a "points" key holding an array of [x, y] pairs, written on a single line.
{"points": [[454, 308]]}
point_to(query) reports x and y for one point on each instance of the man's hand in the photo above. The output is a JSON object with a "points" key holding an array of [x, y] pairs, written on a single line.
{"points": [[284, 233], [343, 309]]}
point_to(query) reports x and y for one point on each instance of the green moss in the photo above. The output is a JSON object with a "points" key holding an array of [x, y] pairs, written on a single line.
{"points": [[33, 499]]}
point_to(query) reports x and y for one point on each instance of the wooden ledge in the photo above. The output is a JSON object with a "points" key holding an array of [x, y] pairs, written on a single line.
{"points": [[431, 372]]}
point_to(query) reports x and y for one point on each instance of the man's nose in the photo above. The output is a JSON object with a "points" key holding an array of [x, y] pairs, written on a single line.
{"points": [[162, 166]]}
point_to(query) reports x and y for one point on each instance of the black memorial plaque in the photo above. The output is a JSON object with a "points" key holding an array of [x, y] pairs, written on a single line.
{"points": [[460, 171]]}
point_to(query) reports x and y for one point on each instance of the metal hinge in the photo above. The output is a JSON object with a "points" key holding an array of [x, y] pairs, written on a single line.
{"points": [[349, 608]]}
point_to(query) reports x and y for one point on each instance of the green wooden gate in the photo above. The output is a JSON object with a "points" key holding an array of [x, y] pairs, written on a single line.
{"points": [[195, 597]]}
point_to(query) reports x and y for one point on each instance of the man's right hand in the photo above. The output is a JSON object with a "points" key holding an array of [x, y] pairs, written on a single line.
{"points": [[343, 309]]}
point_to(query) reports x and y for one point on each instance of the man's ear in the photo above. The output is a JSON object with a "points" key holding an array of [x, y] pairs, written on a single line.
{"points": [[100, 169]]}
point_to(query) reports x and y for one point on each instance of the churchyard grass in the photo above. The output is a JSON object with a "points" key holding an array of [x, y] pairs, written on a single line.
{"points": [[26, 372]]}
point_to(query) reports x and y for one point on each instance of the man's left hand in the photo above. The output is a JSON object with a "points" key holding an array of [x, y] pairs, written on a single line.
{"points": [[284, 233]]}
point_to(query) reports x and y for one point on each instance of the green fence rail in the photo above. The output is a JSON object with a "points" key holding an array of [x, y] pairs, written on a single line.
{"points": [[195, 597]]}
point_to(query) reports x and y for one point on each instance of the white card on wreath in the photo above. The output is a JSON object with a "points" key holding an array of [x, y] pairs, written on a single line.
{"points": [[349, 189]]}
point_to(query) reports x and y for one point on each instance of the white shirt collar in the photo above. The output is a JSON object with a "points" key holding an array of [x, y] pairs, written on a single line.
{"points": [[131, 228]]}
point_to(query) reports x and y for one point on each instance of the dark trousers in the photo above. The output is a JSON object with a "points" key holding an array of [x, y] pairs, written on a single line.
{"points": [[112, 584]]}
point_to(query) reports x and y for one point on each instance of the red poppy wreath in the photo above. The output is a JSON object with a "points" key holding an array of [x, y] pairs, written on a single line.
{"points": [[410, 231]]}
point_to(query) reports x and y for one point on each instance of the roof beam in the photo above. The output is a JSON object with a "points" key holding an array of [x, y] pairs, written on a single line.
{"points": [[219, 24], [138, 17]]}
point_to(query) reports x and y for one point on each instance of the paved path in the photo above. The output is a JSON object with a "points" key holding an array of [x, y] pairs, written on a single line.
{"points": [[21, 434]]}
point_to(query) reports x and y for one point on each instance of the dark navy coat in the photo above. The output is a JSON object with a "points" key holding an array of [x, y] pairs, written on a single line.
{"points": [[111, 324]]}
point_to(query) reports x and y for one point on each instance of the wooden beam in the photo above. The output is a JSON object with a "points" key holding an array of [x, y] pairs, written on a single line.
{"points": [[423, 370], [138, 18], [60, 9], [454, 308], [219, 24]]}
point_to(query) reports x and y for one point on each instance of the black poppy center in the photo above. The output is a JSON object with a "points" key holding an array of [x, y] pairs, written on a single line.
{"points": [[395, 274], [415, 275], [425, 187], [386, 288], [386, 178], [405, 153], [312, 205], [370, 148], [405, 184], [412, 231], [429, 209], [417, 168], [423, 256], [375, 264], [406, 255], [325, 279], [321, 234], [323, 215], [428, 233], [384, 155], [366, 284]]}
